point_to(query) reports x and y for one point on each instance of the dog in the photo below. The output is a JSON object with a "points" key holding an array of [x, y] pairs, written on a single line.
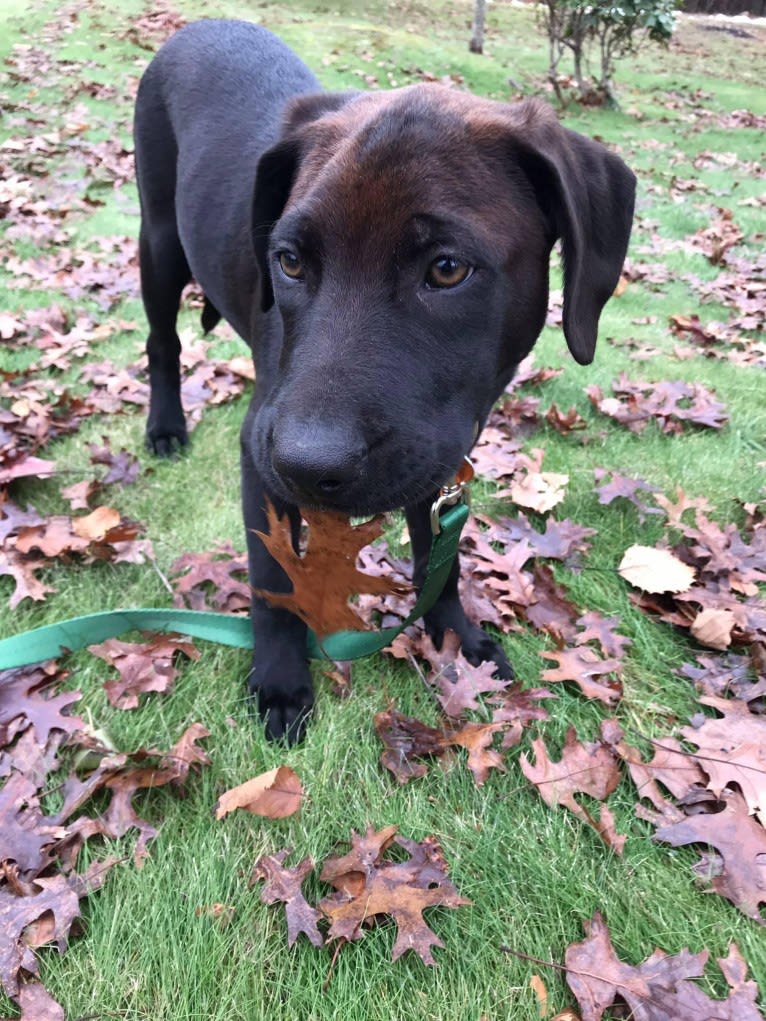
{"points": [[385, 255]]}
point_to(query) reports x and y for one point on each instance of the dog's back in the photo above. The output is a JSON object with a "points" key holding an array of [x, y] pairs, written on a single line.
{"points": [[209, 104]]}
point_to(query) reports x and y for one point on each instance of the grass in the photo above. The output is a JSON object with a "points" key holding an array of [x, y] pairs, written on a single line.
{"points": [[532, 874]]}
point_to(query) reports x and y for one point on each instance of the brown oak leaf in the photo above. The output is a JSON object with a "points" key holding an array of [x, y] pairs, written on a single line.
{"points": [[477, 739], [216, 580], [401, 890], [283, 884], [326, 576], [597, 628], [23, 572], [561, 540], [274, 794], [37, 1004], [459, 683], [58, 900], [26, 835], [730, 750], [142, 666], [565, 422], [406, 740], [185, 753], [25, 701], [588, 670], [349, 872], [584, 768], [676, 769], [740, 842], [658, 989]]}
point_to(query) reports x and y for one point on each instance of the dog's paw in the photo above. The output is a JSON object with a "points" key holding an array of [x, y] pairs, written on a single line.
{"points": [[285, 708], [477, 647], [163, 442]]}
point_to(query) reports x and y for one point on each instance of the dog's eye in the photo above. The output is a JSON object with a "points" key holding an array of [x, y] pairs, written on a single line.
{"points": [[291, 265], [446, 271]]}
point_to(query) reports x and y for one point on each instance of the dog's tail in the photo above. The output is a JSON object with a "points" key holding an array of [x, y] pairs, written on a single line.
{"points": [[210, 316]]}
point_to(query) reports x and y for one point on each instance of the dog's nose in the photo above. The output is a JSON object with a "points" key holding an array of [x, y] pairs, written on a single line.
{"points": [[317, 461]]}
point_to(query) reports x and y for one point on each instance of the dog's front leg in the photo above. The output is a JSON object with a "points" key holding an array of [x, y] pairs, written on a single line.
{"points": [[280, 679], [447, 613]]}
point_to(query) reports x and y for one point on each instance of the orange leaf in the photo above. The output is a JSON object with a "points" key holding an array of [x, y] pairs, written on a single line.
{"points": [[326, 576], [275, 795], [96, 524]]}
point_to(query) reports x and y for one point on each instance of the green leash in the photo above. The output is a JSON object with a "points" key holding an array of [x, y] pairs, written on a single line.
{"points": [[54, 640]]}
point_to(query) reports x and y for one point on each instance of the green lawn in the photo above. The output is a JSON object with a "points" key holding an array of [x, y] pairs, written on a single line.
{"points": [[533, 874]]}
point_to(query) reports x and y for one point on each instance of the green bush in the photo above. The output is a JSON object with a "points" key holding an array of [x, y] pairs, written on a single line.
{"points": [[597, 35]]}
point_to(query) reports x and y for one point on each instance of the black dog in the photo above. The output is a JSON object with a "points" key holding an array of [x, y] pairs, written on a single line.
{"points": [[385, 255]]}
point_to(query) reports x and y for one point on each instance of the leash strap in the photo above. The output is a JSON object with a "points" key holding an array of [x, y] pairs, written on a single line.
{"points": [[52, 640]]}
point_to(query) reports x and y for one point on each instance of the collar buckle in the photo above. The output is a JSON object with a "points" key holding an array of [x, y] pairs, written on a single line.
{"points": [[454, 492]]}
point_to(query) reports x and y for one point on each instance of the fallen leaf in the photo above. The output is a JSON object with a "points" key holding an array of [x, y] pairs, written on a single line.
{"points": [[405, 740], [275, 795], [658, 989], [37, 1004], [25, 467], [655, 570], [590, 768], [741, 844], [283, 885], [477, 739], [143, 666], [588, 670], [216, 580], [400, 889], [713, 627], [540, 491], [96, 524]]}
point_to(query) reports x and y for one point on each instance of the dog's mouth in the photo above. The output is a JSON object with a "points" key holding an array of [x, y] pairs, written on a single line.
{"points": [[373, 492], [321, 468], [363, 501]]}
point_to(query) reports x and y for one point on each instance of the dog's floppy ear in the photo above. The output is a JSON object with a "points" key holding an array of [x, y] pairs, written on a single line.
{"points": [[587, 194], [277, 170]]}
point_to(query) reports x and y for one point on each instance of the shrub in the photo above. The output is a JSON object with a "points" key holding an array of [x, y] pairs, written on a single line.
{"points": [[597, 35]]}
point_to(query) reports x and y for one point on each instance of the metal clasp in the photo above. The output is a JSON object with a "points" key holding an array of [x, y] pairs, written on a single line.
{"points": [[452, 493]]}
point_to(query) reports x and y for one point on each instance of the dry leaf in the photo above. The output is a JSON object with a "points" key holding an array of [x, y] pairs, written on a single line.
{"points": [[96, 524], [401, 889], [713, 627], [284, 884], [658, 989], [275, 795], [655, 570], [541, 992], [326, 576], [591, 769], [588, 670], [540, 491]]}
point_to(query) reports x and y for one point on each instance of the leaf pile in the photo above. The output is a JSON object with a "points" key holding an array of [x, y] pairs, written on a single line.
{"points": [[671, 404], [723, 606], [40, 886]]}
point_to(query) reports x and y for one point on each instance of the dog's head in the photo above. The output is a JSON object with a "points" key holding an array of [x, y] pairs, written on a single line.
{"points": [[405, 237]]}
